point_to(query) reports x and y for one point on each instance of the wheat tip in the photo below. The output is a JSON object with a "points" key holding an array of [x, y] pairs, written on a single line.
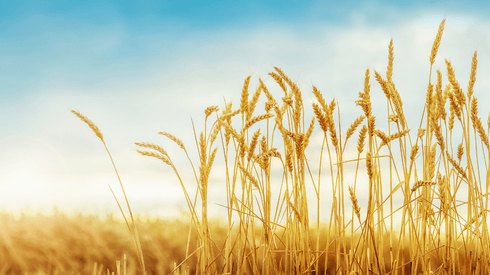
{"points": [[89, 122]]}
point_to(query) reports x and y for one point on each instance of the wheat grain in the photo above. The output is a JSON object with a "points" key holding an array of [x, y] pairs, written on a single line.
{"points": [[355, 203], [429, 102], [331, 107], [229, 131], [442, 185], [174, 139], [241, 144], [211, 160], [398, 135], [211, 109], [383, 84], [471, 84], [331, 124], [202, 149], [320, 99], [477, 124], [458, 93], [453, 110], [456, 166], [321, 118], [250, 177], [362, 138], [266, 91], [92, 125], [298, 140], [264, 161], [384, 138], [253, 103], [298, 105], [431, 162], [460, 152], [253, 143], [279, 81], [244, 96], [295, 210], [152, 146], [488, 121], [413, 152], [263, 144], [308, 133], [228, 113], [256, 119], [227, 116], [161, 157], [398, 103], [371, 125], [440, 97], [365, 99], [389, 69], [288, 100], [353, 127], [369, 165], [393, 118], [437, 42], [215, 132], [437, 131], [285, 77], [269, 105], [274, 153], [289, 153], [278, 113], [421, 183]]}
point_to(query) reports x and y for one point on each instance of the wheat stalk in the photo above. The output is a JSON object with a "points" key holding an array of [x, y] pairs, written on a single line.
{"points": [[132, 229]]}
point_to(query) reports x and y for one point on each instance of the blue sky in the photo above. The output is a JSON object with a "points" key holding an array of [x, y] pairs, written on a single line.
{"points": [[137, 68]]}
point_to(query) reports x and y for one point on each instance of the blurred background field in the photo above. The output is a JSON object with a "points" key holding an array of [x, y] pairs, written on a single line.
{"points": [[37, 243], [57, 243]]}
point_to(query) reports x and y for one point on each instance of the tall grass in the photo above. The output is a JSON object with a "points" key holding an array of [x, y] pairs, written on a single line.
{"points": [[427, 165]]}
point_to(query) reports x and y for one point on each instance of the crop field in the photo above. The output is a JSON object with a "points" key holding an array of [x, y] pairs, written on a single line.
{"points": [[426, 185]]}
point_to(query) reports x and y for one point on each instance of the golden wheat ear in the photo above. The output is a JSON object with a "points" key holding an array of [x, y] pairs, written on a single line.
{"points": [[89, 122], [437, 42]]}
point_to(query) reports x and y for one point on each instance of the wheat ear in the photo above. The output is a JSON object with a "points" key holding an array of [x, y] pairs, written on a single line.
{"points": [[474, 63], [355, 203], [174, 139], [421, 183], [92, 125], [437, 42]]}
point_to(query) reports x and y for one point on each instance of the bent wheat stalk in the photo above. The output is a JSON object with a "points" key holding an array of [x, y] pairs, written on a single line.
{"points": [[131, 227]]}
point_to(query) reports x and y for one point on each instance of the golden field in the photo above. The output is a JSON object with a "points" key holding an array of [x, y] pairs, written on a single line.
{"points": [[63, 244], [426, 186]]}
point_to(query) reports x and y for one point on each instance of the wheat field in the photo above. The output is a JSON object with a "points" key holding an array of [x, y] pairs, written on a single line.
{"points": [[426, 186]]}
